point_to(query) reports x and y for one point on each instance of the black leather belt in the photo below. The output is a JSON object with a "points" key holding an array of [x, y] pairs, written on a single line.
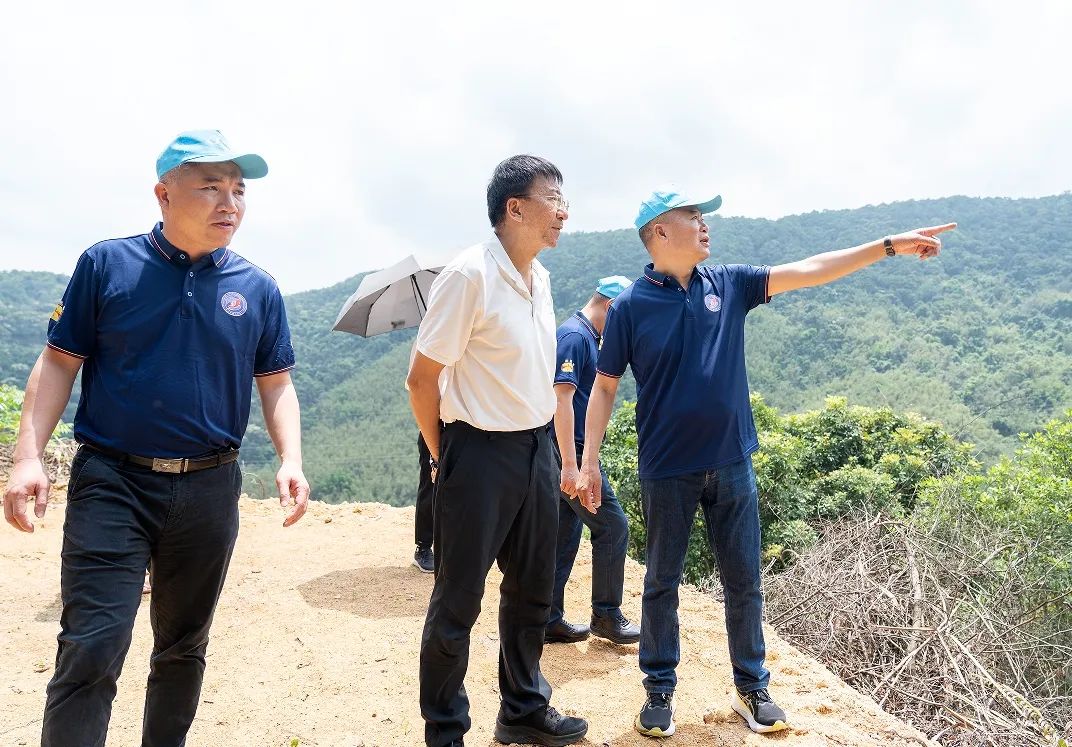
{"points": [[463, 425], [173, 466]]}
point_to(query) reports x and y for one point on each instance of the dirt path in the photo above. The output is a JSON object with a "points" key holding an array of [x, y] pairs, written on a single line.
{"points": [[316, 639]]}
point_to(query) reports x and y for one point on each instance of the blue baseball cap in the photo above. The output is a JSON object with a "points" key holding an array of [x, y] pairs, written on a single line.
{"points": [[667, 198], [208, 146], [612, 286]]}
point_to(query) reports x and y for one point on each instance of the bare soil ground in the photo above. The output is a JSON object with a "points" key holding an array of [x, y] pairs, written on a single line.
{"points": [[317, 635]]}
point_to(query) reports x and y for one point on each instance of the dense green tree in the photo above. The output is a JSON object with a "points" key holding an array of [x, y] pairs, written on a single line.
{"points": [[811, 468]]}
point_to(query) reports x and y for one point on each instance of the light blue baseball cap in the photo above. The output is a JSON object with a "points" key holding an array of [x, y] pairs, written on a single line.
{"points": [[208, 146], [667, 198], [612, 286]]}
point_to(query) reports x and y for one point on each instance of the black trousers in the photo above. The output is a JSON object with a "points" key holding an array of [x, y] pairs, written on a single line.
{"points": [[496, 500], [119, 517], [422, 525]]}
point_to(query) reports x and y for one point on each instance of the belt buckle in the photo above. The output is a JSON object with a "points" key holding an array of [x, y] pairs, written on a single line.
{"points": [[169, 465]]}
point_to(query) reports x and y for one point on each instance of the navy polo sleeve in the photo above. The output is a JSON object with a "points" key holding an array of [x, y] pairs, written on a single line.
{"points": [[751, 284], [617, 348], [572, 358], [275, 354], [72, 328]]}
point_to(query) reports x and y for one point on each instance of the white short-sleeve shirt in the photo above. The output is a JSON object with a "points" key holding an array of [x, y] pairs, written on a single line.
{"points": [[496, 340]]}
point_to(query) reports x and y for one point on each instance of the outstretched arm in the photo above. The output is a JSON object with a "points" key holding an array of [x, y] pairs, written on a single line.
{"points": [[824, 268]]}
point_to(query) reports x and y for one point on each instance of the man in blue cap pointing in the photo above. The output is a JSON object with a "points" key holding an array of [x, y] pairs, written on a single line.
{"points": [[680, 328], [169, 329], [575, 371]]}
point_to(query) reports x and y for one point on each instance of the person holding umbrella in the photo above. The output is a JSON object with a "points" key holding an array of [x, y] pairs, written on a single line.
{"points": [[490, 326]]}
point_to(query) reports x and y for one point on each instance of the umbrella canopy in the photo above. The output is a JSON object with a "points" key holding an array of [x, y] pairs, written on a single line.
{"points": [[393, 298]]}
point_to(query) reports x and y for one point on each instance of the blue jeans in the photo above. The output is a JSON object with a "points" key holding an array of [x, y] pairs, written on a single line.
{"points": [[610, 539], [730, 504], [119, 516]]}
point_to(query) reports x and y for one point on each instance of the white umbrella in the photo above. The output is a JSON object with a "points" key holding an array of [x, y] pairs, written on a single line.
{"points": [[393, 298]]}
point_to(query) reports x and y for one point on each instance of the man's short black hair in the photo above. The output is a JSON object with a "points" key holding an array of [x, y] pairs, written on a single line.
{"points": [[512, 178]]}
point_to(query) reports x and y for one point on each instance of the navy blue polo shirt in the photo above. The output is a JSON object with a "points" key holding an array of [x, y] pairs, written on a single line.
{"points": [[578, 348], [686, 348], [170, 347]]}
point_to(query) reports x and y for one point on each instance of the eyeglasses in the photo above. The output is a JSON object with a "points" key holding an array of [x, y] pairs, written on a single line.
{"points": [[559, 202]]}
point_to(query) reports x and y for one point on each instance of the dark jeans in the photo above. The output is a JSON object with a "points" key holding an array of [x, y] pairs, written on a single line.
{"points": [[422, 524], [610, 538], [730, 503], [496, 500], [119, 517]]}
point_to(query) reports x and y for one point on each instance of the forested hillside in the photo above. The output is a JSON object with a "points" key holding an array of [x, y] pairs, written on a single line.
{"points": [[979, 339], [26, 300]]}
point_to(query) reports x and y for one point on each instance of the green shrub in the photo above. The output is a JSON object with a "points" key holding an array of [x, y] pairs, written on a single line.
{"points": [[10, 410], [1027, 497], [812, 467]]}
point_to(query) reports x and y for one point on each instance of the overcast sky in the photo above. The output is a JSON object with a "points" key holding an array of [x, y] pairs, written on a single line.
{"points": [[381, 126]]}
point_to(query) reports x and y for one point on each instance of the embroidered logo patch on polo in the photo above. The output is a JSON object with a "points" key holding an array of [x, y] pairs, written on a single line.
{"points": [[234, 303], [57, 312], [567, 365], [712, 302]]}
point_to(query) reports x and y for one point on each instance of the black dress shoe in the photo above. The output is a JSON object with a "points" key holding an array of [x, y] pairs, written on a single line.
{"points": [[565, 632], [545, 726], [615, 628]]}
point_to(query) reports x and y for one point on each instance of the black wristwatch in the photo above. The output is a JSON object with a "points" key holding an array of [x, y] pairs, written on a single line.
{"points": [[888, 243]]}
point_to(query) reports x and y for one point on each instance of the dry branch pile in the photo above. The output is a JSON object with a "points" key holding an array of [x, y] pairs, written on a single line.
{"points": [[946, 632]]}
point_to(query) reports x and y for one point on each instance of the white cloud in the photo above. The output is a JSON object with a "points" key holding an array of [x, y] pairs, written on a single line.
{"points": [[381, 124]]}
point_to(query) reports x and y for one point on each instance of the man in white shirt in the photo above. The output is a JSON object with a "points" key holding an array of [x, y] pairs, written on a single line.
{"points": [[490, 330]]}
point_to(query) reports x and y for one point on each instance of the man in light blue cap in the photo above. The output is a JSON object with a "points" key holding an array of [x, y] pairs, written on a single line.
{"points": [[575, 371], [169, 329], [681, 330], [208, 146]]}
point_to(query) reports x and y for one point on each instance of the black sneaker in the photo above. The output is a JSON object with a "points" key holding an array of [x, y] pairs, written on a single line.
{"points": [[565, 632], [545, 726], [423, 559], [615, 628], [762, 714], [656, 718]]}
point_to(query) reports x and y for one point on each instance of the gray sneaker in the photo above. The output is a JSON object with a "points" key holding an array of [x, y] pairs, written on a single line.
{"points": [[656, 718], [762, 714], [424, 559]]}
